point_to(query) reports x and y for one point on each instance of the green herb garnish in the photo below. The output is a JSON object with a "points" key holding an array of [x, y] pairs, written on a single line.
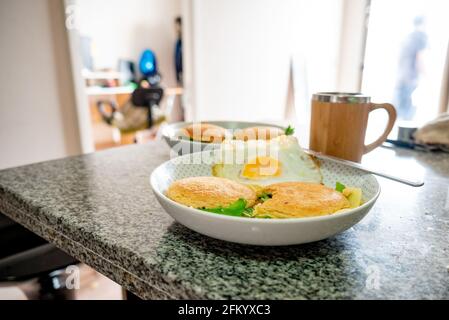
{"points": [[248, 212], [340, 187], [237, 209], [289, 131], [264, 196]]}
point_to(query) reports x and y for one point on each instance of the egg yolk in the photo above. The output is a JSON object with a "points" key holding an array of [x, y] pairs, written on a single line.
{"points": [[262, 167]]}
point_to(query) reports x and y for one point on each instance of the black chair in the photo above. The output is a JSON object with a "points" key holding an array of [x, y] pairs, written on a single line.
{"points": [[141, 98], [24, 256], [149, 98]]}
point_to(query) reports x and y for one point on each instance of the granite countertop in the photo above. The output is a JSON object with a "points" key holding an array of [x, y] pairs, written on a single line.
{"points": [[100, 209]]}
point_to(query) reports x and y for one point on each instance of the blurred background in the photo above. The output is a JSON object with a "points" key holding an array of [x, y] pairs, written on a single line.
{"points": [[84, 75], [70, 68]]}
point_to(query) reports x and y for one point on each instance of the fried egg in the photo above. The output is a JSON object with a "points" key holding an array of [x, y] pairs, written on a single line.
{"points": [[260, 162]]}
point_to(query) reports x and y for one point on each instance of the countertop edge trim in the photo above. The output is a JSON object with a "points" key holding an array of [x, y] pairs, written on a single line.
{"points": [[6, 209]]}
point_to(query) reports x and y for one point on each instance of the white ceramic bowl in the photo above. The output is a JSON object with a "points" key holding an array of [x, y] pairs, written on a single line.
{"points": [[171, 135], [266, 232]]}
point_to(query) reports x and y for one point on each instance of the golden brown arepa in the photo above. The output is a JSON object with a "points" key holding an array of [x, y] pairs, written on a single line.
{"points": [[300, 199], [258, 133], [210, 192], [205, 132]]}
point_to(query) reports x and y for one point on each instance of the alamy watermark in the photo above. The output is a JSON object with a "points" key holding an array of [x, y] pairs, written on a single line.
{"points": [[72, 282], [372, 281], [73, 13]]}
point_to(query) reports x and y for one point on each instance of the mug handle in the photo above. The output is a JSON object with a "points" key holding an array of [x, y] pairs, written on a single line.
{"points": [[391, 120]]}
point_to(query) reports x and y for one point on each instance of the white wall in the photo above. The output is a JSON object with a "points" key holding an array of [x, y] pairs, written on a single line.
{"points": [[242, 52], [352, 46], [124, 28], [38, 119]]}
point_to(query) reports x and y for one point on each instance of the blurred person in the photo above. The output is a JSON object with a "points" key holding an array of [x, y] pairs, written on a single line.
{"points": [[178, 50], [411, 67]]}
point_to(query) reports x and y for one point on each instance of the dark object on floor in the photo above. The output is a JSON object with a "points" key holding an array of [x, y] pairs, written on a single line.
{"points": [[24, 256]]}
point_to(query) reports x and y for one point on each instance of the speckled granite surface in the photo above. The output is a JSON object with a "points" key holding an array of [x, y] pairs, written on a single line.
{"points": [[100, 209]]}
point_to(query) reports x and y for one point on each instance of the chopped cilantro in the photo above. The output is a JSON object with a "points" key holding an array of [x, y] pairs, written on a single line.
{"points": [[289, 131], [264, 196], [340, 187], [248, 212], [237, 209]]}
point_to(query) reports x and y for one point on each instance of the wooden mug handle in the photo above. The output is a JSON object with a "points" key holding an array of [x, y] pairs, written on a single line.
{"points": [[391, 120]]}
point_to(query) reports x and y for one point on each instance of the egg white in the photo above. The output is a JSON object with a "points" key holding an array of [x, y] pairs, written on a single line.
{"points": [[295, 164]]}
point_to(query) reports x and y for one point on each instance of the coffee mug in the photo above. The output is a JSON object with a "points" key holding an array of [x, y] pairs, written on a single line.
{"points": [[339, 121]]}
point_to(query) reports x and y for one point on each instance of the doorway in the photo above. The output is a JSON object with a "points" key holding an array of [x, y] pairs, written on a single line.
{"points": [[127, 61]]}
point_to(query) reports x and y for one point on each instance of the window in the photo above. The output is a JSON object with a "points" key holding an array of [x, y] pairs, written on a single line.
{"points": [[405, 54]]}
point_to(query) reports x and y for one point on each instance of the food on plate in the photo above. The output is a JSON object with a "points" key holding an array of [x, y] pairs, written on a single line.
{"points": [[276, 201], [261, 162], [212, 193], [257, 133], [205, 132], [261, 133], [211, 133], [264, 179], [289, 131], [299, 199], [236, 209], [354, 195]]}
